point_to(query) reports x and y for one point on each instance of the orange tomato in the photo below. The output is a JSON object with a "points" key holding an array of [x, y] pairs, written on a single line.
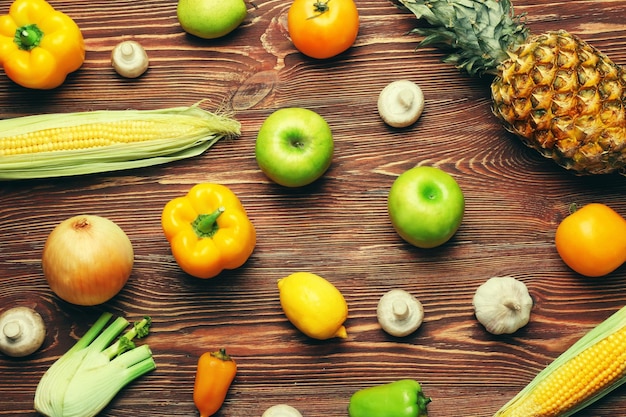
{"points": [[323, 29], [592, 240]]}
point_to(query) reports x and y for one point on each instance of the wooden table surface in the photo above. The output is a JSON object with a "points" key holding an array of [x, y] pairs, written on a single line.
{"points": [[338, 227]]}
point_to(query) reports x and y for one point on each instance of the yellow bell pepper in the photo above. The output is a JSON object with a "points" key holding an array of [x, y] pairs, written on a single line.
{"points": [[208, 230], [39, 46]]}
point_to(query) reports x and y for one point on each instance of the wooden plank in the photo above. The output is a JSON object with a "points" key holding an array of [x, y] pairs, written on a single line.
{"points": [[337, 227]]}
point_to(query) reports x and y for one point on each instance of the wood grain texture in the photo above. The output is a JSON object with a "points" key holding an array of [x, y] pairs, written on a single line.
{"points": [[337, 227]]}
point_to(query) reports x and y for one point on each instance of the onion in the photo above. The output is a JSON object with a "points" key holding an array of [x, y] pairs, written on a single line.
{"points": [[87, 260]]}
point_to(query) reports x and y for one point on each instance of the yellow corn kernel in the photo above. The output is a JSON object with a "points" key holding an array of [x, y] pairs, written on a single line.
{"points": [[587, 371], [577, 380], [91, 135], [54, 145]]}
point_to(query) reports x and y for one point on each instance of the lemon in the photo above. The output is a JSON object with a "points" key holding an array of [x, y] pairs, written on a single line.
{"points": [[313, 305]]}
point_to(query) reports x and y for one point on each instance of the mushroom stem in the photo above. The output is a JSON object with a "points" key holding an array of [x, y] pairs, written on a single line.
{"points": [[400, 309], [405, 98], [127, 50], [12, 330]]}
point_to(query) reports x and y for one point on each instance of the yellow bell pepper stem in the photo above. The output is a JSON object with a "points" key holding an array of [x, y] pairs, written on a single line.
{"points": [[208, 230], [28, 37], [206, 224], [39, 46]]}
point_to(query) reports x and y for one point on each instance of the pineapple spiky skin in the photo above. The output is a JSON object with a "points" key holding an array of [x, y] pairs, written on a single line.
{"points": [[557, 93], [564, 98]]}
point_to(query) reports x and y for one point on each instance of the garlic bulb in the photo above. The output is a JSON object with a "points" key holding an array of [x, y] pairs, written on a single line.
{"points": [[502, 305]]}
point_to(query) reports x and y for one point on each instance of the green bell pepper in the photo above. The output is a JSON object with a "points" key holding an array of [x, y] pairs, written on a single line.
{"points": [[403, 398]]}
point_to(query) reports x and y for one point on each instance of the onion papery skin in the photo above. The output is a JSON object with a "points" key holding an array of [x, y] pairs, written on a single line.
{"points": [[87, 260]]}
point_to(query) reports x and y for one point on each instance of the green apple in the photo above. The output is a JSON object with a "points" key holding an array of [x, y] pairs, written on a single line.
{"points": [[426, 206], [294, 146], [210, 19]]}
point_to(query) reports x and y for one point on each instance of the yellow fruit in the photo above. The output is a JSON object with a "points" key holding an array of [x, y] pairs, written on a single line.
{"points": [[313, 305]]}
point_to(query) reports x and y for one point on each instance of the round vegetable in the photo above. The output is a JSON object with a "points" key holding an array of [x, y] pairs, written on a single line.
{"points": [[40, 45], [502, 305], [22, 331], [592, 240], [87, 260], [401, 103], [322, 29], [399, 313], [129, 59], [208, 230]]}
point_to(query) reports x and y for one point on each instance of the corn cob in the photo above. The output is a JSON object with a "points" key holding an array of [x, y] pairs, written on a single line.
{"points": [[55, 145], [591, 368]]}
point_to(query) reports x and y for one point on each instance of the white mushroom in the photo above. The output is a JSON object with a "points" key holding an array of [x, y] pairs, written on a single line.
{"points": [[129, 59], [502, 305], [401, 103], [22, 331], [281, 410], [399, 313]]}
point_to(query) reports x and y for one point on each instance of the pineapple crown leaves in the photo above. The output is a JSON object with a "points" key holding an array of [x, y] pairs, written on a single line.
{"points": [[476, 34]]}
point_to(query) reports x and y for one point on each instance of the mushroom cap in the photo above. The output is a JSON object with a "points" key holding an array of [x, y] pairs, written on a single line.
{"points": [[22, 331], [129, 59], [401, 103], [399, 313]]}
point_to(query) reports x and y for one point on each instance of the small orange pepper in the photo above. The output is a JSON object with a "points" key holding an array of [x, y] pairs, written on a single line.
{"points": [[216, 372], [208, 230]]}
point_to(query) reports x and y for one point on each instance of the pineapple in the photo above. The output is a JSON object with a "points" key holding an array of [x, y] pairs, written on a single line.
{"points": [[557, 93]]}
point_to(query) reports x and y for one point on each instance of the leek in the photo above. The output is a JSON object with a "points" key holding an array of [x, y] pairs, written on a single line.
{"points": [[87, 377]]}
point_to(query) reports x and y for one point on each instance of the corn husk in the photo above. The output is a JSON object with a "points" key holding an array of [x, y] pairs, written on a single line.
{"points": [[611, 325], [206, 129]]}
